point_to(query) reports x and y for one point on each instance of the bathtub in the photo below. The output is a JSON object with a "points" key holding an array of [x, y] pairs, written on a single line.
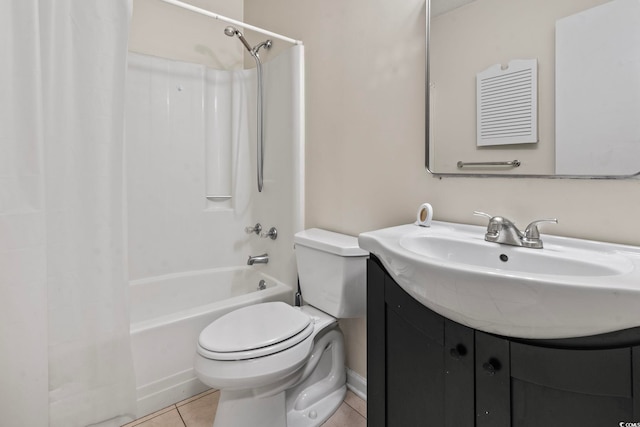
{"points": [[167, 315]]}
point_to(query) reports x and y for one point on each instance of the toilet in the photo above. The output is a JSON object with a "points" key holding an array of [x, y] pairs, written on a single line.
{"points": [[283, 366]]}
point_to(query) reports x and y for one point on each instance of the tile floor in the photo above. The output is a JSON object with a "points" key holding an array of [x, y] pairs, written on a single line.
{"points": [[200, 410]]}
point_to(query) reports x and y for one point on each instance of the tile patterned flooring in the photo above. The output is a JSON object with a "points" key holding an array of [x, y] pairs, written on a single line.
{"points": [[200, 410]]}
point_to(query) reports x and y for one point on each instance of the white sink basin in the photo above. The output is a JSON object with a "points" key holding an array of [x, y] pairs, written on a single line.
{"points": [[478, 253], [571, 288]]}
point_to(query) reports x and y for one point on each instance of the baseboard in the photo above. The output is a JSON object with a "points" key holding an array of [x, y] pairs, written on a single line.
{"points": [[155, 396], [357, 384]]}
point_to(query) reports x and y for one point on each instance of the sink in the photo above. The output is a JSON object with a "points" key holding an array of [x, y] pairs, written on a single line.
{"points": [[570, 288], [478, 253]]}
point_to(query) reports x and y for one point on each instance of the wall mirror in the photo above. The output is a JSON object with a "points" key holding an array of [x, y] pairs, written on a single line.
{"points": [[546, 88]]}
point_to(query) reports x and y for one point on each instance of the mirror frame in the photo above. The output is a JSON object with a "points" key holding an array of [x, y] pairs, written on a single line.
{"points": [[478, 174]]}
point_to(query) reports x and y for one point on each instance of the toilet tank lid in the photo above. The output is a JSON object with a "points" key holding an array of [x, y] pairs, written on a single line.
{"points": [[329, 241]]}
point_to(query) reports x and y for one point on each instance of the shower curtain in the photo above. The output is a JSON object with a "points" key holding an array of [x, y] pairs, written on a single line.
{"points": [[65, 356]]}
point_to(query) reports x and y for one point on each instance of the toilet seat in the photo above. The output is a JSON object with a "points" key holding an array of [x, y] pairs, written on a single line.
{"points": [[271, 371], [255, 331]]}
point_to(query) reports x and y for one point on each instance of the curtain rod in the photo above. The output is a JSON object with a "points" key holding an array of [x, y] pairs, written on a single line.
{"points": [[230, 21]]}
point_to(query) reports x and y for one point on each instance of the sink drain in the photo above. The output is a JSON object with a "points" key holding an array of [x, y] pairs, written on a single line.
{"points": [[504, 258]]}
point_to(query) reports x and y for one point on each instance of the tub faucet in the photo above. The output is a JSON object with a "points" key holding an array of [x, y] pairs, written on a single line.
{"points": [[258, 259], [501, 230]]}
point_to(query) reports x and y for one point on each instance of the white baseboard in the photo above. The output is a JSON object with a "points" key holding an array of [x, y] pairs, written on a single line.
{"points": [[160, 394], [357, 384]]}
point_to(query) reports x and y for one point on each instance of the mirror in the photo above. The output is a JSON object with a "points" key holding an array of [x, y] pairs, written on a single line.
{"points": [[546, 88]]}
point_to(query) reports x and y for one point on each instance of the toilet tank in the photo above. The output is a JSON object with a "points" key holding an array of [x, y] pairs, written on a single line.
{"points": [[332, 272]]}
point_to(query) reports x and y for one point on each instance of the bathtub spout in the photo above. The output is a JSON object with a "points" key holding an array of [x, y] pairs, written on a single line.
{"points": [[258, 259]]}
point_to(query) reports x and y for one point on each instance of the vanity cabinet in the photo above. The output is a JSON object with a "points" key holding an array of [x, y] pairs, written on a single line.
{"points": [[426, 370]]}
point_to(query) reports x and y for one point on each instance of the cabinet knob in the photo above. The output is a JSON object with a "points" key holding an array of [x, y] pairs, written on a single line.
{"points": [[492, 366], [458, 351]]}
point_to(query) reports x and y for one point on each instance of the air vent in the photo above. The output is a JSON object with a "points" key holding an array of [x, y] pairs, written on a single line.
{"points": [[507, 98]]}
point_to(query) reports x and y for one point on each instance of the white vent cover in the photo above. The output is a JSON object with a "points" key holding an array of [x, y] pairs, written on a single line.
{"points": [[507, 99]]}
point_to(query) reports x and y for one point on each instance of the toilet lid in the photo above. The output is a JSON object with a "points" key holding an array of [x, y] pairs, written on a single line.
{"points": [[255, 327]]}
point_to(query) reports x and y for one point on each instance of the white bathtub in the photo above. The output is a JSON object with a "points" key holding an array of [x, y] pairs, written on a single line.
{"points": [[167, 315]]}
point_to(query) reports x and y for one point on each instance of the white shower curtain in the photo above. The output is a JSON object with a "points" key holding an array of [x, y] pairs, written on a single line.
{"points": [[65, 358]]}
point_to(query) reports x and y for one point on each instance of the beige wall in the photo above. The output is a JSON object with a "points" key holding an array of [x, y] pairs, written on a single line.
{"points": [[168, 31], [365, 137]]}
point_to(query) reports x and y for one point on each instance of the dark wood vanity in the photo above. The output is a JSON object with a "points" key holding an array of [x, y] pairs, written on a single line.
{"points": [[426, 370]]}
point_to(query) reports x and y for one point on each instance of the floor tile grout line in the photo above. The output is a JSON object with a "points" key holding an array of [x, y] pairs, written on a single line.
{"points": [[352, 407], [168, 409], [184, 423], [194, 400]]}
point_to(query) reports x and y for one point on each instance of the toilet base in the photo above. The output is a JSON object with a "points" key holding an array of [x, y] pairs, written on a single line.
{"points": [[241, 408], [317, 413]]}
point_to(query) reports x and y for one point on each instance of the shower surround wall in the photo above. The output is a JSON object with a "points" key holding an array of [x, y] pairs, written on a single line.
{"points": [[171, 118], [172, 226]]}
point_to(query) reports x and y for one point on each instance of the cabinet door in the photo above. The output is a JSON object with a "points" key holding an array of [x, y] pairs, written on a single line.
{"points": [[493, 382], [415, 361], [376, 345], [556, 387], [459, 392]]}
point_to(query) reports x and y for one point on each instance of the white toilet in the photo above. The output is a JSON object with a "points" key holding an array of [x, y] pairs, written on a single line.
{"points": [[283, 366]]}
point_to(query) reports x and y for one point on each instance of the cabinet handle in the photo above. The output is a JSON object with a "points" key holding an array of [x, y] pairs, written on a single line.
{"points": [[458, 351], [492, 366]]}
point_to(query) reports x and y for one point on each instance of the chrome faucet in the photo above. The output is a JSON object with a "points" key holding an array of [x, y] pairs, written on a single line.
{"points": [[258, 259], [501, 230]]}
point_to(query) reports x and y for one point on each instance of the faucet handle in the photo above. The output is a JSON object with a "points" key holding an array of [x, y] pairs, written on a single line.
{"points": [[255, 229], [486, 215], [272, 234], [494, 226], [531, 232]]}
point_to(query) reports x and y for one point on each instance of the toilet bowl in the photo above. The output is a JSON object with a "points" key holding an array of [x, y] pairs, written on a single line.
{"points": [[283, 366]]}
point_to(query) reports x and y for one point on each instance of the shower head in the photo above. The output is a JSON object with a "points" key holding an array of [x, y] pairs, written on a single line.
{"points": [[232, 31]]}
